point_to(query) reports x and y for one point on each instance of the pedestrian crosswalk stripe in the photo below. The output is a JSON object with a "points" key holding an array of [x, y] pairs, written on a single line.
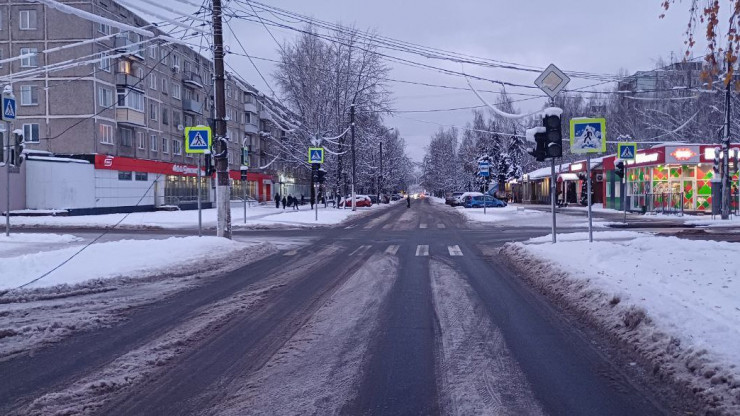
{"points": [[422, 250], [440, 225], [392, 249], [360, 250], [291, 253], [454, 250], [422, 225]]}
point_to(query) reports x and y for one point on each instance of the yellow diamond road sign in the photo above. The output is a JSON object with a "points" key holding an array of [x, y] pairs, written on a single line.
{"points": [[197, 139]]}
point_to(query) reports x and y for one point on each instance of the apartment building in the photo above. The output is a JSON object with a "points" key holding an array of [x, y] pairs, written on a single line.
{"points": [[126, 108]]}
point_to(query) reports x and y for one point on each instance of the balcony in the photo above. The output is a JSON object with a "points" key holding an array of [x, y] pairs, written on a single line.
{"points": [[128, 116], [191, 78], [123, 44], [250, 107], [251, 128], [128, 80], [265, 115], [192, 106]]}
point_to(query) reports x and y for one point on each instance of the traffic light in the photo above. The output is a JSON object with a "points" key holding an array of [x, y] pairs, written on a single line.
{"points": [[322, 175], [554, 134], [315, 172], [537, 135], [18, 147], [715, 167], [209, 165], [619, 169], [2, 147]]}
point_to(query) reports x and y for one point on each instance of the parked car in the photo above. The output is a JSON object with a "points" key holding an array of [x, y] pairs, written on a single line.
{"points": [[396, 197], [478, 201], [452, 199], [360, 200], [461, 199], [373, 199]]}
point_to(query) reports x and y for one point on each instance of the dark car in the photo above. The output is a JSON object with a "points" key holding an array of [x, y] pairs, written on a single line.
{"points": [[373, 199], [396, 197]]}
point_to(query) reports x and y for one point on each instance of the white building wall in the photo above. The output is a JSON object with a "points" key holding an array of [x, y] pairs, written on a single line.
{"points": [[59, 184], [113, 192]]}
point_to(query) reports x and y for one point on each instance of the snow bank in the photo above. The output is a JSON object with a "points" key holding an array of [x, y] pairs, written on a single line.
{"points": [[513, 215], [125, 258], [674, 301]]}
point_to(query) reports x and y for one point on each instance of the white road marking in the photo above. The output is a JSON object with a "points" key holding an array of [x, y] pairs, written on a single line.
{"points": [[422, 250], [440, 225], [392, 249], [290, 253], [455, 250], [422, 226], [360, 250]]}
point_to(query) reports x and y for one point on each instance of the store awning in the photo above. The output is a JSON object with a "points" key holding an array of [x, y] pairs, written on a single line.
{"points": [[568, 177]]}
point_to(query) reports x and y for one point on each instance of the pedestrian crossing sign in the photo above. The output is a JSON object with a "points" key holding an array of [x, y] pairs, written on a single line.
{"points": [[315, 155], [627, 151], [197, 139], [8, 112]]}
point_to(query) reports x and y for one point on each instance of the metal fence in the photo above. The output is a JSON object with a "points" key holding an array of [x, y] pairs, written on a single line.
{"points": [[663, 203]]}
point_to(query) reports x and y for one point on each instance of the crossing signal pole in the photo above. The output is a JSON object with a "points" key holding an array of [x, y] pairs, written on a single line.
{"points": [[221, 150]]}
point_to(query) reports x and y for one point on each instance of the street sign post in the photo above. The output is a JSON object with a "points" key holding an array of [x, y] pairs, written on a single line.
{"points": [[8, 115], [627, 151], [588, 135], [552, 80], [315, 155], [484, 169], [198, 139]]}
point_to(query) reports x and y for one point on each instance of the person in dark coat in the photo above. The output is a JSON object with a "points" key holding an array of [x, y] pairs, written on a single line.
{"points": [[284, 202], [303, 199], [408, 200], [295, 204], [277, 200], [290, 201]]}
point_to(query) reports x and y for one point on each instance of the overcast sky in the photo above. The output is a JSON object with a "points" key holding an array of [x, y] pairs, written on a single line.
{"points": [[578, 35]]}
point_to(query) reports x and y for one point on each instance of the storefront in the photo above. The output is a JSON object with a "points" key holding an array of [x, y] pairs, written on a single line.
{"points": [[572, 184], [257, 186], [667, 178]]}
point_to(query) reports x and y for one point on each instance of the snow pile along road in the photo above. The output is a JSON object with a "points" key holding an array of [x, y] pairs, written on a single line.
{"points": [[673, 301], [512, 215], [125, 258], [15, 243]]}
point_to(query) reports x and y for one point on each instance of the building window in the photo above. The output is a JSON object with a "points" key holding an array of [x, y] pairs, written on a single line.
{"points": [[248, 118], [165, 145], [153, 51], [126, 137], [29, 95], [165, 116], [124, 66], [106, 133], [1, 51], [105, 97], [140, 73], [140, 142], [28, 20], [175, 62], [32, 60], [124, 175], [103, 28], [31, 132], [176, 147], [153, 81], [141, 176], [153, 111], [104, 63], [164, 85], [153, 142], [176, 91], [163, 56], [228, 91], [176, 118], [131, 99]]}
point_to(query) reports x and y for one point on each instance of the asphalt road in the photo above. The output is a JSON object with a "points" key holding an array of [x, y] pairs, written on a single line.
{"points": [[356, 322]]}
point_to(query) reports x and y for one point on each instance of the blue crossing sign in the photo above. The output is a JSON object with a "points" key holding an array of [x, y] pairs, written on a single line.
{"points": [[627, 151], [198, 139], [315, 155], [8, 113]]}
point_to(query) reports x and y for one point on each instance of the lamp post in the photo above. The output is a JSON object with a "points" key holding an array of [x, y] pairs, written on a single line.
{"points": [[354, 176]]}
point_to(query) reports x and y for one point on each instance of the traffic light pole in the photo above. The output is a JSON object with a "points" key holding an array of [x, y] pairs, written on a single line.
{"points": [[223, 192], [553, 185], [588, 189], [7, 180], [726, 162], [200, 216], [624, 195]]}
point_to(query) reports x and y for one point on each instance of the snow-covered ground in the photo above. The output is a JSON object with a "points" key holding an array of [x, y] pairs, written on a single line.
{"points": [[16, 244], [512, 215], [258, 216], [676, 300]]}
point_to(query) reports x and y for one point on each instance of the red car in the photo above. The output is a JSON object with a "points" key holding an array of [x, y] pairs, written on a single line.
{"points": [[362, 201]]}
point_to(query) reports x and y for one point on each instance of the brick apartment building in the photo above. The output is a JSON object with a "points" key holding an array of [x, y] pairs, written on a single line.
{"points": [[125, 113]]}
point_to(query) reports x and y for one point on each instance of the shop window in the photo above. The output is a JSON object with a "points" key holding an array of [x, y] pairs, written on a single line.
{"points": [[124, 175], [141, 176]]}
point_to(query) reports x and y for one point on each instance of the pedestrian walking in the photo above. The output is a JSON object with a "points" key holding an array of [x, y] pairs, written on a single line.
{"points": [[303, 199], [408, 200], [295, 204], [277, 200], [290, 201], [285, 201]]}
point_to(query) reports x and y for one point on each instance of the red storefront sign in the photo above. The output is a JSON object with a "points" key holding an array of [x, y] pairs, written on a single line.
{"points": [[141, 165]]}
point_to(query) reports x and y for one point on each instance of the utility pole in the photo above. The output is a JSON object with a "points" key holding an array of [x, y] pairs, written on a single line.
{"points": [[354, 175], [223, 196], [380, 177], [726, 154]]}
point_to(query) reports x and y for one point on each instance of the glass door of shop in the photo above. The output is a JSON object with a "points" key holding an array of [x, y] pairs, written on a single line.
{"points": [[682, 185]]}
